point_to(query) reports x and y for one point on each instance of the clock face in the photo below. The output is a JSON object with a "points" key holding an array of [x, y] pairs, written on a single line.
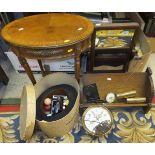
{"points": [[97, 120]]}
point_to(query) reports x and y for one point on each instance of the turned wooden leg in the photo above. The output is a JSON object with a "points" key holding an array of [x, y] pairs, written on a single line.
{"points": [[77, 67], [27, 69], [92, 52], [41, 67]]}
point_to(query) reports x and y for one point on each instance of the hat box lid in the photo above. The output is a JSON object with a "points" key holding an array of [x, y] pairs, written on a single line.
{"points": [[27, 112]]}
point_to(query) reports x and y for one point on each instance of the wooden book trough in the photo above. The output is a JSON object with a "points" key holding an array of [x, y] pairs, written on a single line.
{"points": [[117, 83]]}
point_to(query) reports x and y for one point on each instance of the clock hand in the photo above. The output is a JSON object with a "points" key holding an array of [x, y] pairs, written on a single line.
{"points": [[94, 114], [93, 121], [100, 115], [100, 123]]}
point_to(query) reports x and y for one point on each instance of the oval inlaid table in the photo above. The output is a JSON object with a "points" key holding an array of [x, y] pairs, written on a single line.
{"points": [[48, 36]]}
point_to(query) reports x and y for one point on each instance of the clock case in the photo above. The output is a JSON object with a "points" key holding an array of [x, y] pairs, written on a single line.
{"points": [[94, 134]]}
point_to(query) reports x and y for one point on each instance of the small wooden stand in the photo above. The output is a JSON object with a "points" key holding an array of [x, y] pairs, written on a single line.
{"points": [[121, 82], [115, 56]]}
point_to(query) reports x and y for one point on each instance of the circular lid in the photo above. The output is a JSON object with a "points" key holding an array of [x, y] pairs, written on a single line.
{"points": [[27, 112], [97, 120], [48, 30]]}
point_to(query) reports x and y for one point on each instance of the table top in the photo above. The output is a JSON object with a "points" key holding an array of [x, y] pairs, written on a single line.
{"points": [[48, 30]]}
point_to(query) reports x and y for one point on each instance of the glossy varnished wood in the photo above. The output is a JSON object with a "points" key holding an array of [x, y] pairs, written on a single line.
{"points": [[127, 50], [121, 82], [47, 30], [27, 68], [49, 36]]}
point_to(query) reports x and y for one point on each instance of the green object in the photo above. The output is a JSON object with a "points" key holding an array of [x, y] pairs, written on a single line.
{"points": [[10, 101], [66, 102]]}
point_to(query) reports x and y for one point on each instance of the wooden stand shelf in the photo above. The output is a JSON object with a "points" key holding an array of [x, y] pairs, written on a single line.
{"points": [[111, 56], [120, 82]]}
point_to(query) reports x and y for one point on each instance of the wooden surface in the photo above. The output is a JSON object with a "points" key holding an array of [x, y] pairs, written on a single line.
{"points": [[112, 60], [151, 42], [118, 26], [48, 36], [47, 30], [27, 68], [120, 82], [149, 88], [141, 82]]}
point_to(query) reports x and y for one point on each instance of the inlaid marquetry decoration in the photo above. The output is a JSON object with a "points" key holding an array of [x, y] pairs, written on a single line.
{"points": [[47, 30], [48, 36]]}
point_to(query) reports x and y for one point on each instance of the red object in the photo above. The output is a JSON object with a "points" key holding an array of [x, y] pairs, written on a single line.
{"points": [[10, 108], [153, 100], [47, 107]]}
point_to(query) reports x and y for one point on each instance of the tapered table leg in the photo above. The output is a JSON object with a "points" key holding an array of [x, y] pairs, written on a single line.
{"points": [[27, 69], [77, 67], [41, 67]]}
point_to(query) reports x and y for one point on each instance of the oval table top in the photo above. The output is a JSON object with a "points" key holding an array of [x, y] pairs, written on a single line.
{"points": [[48, 30]]}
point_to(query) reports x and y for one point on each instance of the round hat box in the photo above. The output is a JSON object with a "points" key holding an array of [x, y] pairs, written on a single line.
{"points": [[31, 93]]}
